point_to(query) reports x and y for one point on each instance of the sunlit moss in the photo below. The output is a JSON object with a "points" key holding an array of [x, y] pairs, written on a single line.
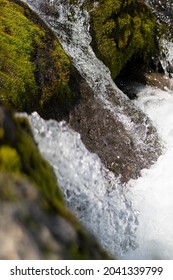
{"points": [[33, 165], [34, 69], [17, 81], [9, 160]]}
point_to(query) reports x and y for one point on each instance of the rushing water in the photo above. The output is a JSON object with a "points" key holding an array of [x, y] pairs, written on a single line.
{"points": [[96, 196], [93, 193], [90, 190], [163, 10], [152, 193]]}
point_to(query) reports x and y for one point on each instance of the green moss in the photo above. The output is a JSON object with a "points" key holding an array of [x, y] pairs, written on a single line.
{"points": [[33, 165], [120, 30], [9, 160], [17, 34], [22, 156], [35, 72]]}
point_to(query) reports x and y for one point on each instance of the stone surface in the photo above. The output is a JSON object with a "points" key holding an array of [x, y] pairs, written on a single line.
{"points": [[105, 134], [159, 80]]}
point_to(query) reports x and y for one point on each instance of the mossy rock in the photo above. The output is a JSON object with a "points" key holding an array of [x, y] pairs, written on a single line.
{"points": [[19, 154], [35, 72], [31, 201], [121, 30]]}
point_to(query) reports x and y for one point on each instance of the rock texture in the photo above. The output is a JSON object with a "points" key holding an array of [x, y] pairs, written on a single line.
{"points": [[159, 80], [105, 134]]}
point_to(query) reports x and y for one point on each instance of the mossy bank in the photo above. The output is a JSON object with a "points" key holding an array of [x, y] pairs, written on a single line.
{"points": [[31, 201], [35, 72], [121, 31]]}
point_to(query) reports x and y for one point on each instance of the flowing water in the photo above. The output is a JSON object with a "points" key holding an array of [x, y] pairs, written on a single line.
{"points": [[90, 190], [152, 193], [133, 221], [163, 10]]}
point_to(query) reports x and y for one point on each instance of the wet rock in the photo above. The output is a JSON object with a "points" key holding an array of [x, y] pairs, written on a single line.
{"points": [[159, 80], [163, 11], [106, 134], [169, 69]]}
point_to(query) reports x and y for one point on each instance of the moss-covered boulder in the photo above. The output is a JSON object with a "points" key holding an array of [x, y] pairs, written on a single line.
{"points": [[34, 222], [35, 72], [122, 30]]}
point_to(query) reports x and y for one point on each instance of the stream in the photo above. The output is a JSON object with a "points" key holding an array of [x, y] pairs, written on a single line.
{"points": [[134, 220]]}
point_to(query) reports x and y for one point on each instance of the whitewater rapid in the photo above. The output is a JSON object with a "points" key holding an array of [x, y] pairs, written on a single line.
{"points": [[152, 193]]}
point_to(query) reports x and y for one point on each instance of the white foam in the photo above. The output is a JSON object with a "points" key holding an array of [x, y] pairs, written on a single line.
{"points": [[152, 193]]}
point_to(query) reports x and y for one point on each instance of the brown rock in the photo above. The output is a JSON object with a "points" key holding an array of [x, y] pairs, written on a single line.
{"points": [[159, 80], [106, 135]]}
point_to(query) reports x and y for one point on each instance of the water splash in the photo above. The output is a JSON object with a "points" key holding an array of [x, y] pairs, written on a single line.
{"points": [[163, 10], [90, 190], [166, 56], [152, 193]]}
